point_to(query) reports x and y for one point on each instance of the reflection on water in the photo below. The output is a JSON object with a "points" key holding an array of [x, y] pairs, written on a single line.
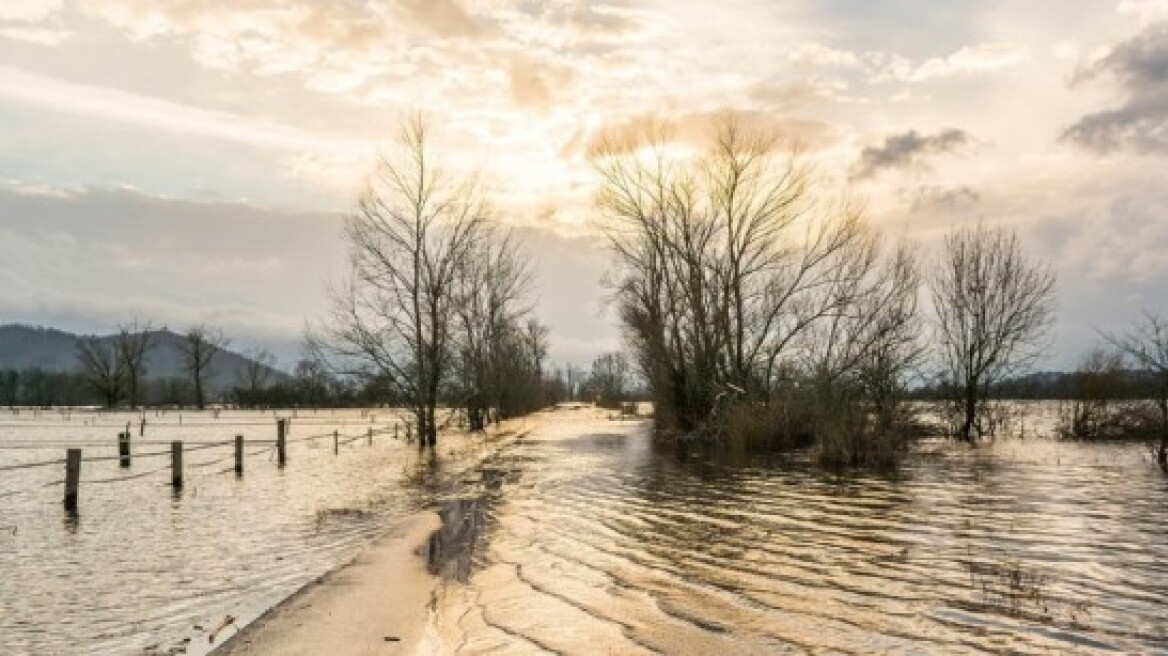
{"points": [[585, 540], [141, 568]]}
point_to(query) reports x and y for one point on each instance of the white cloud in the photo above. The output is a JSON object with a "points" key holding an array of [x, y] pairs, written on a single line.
{"points": [[38, 35], [115, 105], [815, 54], [1145, 10], [29, 10], [969, 59]]}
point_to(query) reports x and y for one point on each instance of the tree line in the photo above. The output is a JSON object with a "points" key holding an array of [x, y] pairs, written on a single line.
{"points": [[757, 311]]}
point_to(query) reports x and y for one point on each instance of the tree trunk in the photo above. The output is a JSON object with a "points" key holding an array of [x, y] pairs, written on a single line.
{"points": [[199, 402], [970, 411], [431, 434], [1162, 454]]}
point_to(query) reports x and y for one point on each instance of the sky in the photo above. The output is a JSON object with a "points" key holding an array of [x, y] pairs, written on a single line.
{"points": [[187, 161]]}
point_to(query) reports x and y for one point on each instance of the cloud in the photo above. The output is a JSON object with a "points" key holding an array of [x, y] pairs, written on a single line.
{"points": [[112, 104], [443, 17], [1140, 122], [29, 10], [1145, 10], [257, 272], [694, 129], [38, 35], [969, 59], [932, 198], [814, 54], [909, 149], [529, 87]]}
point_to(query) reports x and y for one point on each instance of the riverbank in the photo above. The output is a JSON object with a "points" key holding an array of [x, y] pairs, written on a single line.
{"points": [[377, 604]]}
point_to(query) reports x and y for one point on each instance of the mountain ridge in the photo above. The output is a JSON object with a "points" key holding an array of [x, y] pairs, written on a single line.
{"points": [[24, 347]]}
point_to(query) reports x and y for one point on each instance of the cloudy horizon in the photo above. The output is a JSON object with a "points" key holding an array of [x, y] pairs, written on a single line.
{"points": [[184, 162]]}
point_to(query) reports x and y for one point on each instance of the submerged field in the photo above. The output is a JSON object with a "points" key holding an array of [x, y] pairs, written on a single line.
{"points": [[141, 566], [579, 535]]}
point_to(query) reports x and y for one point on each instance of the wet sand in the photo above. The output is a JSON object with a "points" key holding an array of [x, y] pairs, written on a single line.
{"points": [[377, 604]]}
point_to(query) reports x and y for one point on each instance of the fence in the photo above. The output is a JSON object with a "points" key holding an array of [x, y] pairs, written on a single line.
{"points": [[74, 457]]}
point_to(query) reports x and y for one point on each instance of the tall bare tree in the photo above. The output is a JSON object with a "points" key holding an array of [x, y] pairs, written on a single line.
{"points": [[102, 367], [724, 261], [414, 227], [493, 284], [133, 344], [993, 309], [199, 349], [1146, 345]]}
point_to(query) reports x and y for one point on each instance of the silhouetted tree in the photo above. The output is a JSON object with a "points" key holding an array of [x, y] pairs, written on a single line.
{"points": [[1146, 344], [9, 387], [254, 376], [102, 367], [199, 349], [414, 227], [133, 346], [609, 379], [724, 261], [993, 308]]}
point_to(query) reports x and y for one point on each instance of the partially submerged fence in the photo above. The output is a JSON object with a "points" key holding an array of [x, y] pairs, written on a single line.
{"points": [[239, 453]]}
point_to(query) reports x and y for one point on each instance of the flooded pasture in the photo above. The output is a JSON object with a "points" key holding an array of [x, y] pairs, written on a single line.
{"points": [[580, 535], [590, 540], [145, 569]]}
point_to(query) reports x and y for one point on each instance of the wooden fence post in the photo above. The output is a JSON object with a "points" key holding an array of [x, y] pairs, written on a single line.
{"points": [[281, 452], [72, 478], [176, 474], [336, 442], [239, 455], [123, 449], [370, 437]]}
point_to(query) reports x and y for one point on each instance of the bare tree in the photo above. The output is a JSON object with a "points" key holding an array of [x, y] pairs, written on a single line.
{"points": [[102, 367], [257, 370], [724, 262], [1097, 405], [1146, 344], [414, 227], [993, 308], [199, 349], [133, 345], [609, 379], [493, 284]]}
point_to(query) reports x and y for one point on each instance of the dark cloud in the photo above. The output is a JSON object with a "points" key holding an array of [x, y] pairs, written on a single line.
{"points": [[945, 199], [1140, 122], [909, 149]]}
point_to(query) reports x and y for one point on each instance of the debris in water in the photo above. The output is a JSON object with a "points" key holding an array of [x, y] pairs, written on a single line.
{"points": [[227, 621]]}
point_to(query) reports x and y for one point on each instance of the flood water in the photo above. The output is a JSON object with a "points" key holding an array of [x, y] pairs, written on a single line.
{"points": [[590, 541], [143, 569], [578, 535]]}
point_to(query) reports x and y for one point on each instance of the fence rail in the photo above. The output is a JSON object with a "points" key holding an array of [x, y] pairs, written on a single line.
{"points": [[74, 458]]}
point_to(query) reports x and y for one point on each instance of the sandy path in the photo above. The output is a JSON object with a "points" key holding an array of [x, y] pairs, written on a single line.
{"points": [[377, 604]]}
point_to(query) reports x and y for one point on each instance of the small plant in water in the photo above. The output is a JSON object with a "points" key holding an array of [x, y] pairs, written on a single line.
{"points": [[1010, 587]]}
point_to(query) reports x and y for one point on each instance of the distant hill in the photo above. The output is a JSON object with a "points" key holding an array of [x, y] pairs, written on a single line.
{"points": [[52, 350]]}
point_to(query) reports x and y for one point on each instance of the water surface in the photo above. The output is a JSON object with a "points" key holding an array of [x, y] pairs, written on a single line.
{"points": [[592, 541], [144, 569]]}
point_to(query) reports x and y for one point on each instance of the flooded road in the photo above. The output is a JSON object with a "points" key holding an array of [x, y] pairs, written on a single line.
{"points": [[587, 541]]}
